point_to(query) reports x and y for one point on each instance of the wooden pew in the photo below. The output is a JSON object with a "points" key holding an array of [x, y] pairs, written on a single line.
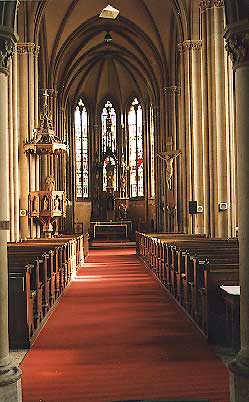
{"points": [[21, 308], [39, 270], [231, 297], [192, 269]]}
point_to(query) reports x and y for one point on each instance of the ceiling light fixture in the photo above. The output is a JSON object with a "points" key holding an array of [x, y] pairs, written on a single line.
{"points": [[109, 12], [108, 37]]}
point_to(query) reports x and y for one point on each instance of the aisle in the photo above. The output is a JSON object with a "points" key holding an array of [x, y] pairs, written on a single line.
{"points": [[117, 335]]}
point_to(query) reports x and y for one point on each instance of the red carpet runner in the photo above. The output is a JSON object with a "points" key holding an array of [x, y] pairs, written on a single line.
{"points": [[117, 335]]}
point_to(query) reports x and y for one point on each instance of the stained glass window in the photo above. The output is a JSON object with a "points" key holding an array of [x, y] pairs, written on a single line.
{"points": [[135, 126], [109, 141], [152, 153], [81, 150], [108, 120]]}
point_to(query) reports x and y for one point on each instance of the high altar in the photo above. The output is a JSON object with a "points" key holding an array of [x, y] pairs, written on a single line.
{"points": [[109, 198]]}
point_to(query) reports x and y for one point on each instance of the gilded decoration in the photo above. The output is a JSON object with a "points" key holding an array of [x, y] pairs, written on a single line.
{"points": [[237, 46], [44, 139], [189, 45]]}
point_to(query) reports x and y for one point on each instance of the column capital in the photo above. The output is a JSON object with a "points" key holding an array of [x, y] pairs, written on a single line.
{"points": [[171, 90], [28, 47], [204, 4], [237, 45], [7, 48], [189, 45]]}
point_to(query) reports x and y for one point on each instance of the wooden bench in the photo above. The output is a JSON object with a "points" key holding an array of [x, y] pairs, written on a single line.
{"points": [[39, 271], [21, 308], [231, 296], [192, 269]]}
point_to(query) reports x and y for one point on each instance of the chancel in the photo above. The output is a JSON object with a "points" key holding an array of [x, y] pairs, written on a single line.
{"points": [[124, 160]]}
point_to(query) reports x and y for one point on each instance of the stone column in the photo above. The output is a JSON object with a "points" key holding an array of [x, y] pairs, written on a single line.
{"points": [[205, 121], [237, 37], [223, 174], [197, 136], [209, 114], [23, 50], [187, 138], [159, 174], [10, 376], [11, 156], [171, 93], [217, 175], [15, 148]]}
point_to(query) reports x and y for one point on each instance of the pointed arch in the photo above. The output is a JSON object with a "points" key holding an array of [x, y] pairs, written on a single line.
{"points": [[81, 132], [135, 141]]}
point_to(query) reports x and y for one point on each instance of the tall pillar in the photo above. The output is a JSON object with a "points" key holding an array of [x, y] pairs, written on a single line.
{"points": [[197, 136], [36, 123], [190, 133], [222, 135], [11, 156], [182, 145], [237, 37], [15, 148], [23, 50], [10, 376], [27, 64], [205, 123], [215, 128], [171, 93]]}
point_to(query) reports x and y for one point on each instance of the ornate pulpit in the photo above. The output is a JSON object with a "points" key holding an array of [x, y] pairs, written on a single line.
{"points": [[47, 206]]}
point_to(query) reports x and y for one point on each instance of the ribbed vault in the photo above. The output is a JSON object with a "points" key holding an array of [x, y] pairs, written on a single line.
{"points": [[137, 61]]}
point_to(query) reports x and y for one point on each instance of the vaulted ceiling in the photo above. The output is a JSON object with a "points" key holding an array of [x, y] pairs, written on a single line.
{"points": [[141, 59]]}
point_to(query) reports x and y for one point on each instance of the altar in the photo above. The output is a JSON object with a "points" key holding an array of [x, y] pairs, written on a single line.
{"points": [[111, 229]]}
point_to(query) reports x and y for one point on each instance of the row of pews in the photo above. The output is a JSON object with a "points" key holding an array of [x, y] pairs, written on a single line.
{"points": [[39, 270], [192, 268]]}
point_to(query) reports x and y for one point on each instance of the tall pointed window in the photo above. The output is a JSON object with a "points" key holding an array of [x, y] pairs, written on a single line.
{"points": [[81, 150], [152, 153], [109, 141], [135, 126], [108, 121]]}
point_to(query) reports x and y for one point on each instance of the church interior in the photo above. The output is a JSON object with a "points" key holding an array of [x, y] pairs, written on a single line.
{"points": [[124, 170]]}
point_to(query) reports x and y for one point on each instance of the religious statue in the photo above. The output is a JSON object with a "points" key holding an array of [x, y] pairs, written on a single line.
{"points": [[50, 183], [109, 174], [122, 210], [169, 157], [123, 184], [45, 203], [123, 170], [56, 203], [35, 204]]}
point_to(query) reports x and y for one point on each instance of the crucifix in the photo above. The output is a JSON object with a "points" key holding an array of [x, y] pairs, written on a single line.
{"points": [[168, 157]]}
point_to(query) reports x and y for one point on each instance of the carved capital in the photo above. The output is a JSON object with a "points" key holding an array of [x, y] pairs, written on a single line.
{"points": [[204, 4], [171, 90], [7, 49], [237, 46], [219, 3], [29, 47], [189, 45]]}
